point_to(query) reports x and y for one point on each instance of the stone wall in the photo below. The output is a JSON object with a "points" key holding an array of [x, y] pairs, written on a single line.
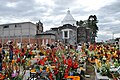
{"points": [[72, 34]]}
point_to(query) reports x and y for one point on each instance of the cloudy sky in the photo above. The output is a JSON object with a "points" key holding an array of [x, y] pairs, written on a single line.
{"points": [[52, 12]]}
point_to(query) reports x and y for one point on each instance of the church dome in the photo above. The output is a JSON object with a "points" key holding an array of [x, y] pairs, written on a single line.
{"points": [[68, 19]]}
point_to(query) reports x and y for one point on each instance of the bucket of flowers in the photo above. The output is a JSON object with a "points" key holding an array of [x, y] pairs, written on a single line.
{"points": [[1, 76], [16, 68]]}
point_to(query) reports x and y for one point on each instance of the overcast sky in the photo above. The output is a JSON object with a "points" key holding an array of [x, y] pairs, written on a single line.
{"points": [[52, 12]]}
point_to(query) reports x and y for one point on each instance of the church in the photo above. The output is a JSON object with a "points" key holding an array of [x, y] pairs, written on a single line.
{"points": [[67, 33], [70, 33], [28, 32]]}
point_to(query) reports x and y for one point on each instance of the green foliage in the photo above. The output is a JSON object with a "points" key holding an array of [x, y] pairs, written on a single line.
{"points": [[79, 23], [92, 23]]}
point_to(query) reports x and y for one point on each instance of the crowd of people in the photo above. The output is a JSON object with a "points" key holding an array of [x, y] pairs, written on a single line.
{"points": [[54, 61]]}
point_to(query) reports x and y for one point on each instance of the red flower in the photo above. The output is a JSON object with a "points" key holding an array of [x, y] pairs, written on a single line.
{"points": [[66, 71], [75, 65], [54, 49], [118, 52], [22, 54], [41, 62], [70, 62], [50, 76], [47, 51], [63, 56], [66, 75], [45, 59], [23, 61], [1, 77], [31, 53], [56, 71], [18, 60], [31, 48], [16, 51], [55, 60], [64, 61]]}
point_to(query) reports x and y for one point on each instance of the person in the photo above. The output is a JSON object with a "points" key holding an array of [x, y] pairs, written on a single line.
{"points": [[79, 47], [118, 53], [10, 51], [52, 46], [75, 46], [0, 57], [87, 45], [35, 46], [66, 47], [19, 45], [47, 46]]}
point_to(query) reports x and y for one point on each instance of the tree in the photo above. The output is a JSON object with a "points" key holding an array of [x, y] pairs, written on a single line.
{"points": [[92, 24], [79, 23]]}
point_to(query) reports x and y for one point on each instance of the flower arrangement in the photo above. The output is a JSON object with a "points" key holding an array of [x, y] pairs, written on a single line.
{"points": [[16, 68]]}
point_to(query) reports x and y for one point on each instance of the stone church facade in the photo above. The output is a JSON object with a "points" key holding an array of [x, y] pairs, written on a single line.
{"points": [[69, 32], [66, 33]]}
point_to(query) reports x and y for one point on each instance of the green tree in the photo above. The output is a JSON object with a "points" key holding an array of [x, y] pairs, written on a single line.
{"points": [[92, 24], [79, 23]]}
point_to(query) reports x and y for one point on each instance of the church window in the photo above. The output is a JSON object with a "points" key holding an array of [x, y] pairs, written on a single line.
{"points": [[6, 26], [65, 34], [17, 25]]}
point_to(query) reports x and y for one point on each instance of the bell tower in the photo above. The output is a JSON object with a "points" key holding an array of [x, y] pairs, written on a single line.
{"points": [[39, 27]]}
